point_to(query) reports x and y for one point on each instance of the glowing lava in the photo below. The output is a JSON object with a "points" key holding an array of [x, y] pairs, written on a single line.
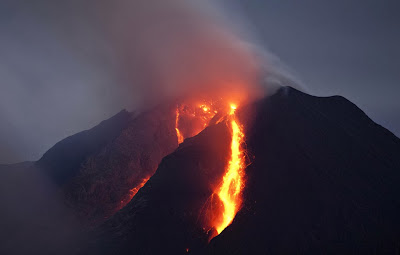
{"points": [[178, 133], [138, 187], [133, 192], [230, 191], [192, 118]]}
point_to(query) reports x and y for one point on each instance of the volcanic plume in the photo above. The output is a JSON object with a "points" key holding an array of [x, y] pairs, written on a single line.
{"points": [[178, 50], [183, 60], [182, 65]]}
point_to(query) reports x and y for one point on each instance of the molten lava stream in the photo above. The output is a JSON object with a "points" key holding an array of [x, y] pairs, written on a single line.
{"points": [[230, 191], [202, 114], [196, 117], [178, 132], [133, 192]]}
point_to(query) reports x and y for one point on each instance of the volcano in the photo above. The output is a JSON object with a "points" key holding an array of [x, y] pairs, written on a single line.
{"points": [[316, 176], [322, 177]]}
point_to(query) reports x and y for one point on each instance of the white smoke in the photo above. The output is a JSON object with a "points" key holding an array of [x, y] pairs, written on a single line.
{"points": [[171, 48], [67, 65]]}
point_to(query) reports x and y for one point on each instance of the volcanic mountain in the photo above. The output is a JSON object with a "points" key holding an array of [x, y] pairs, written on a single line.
{"points": [[322, 178], [319, 177]]}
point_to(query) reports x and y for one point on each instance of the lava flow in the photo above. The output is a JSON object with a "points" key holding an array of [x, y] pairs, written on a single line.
{"points": [[133, 192], [230, 191], [178, 133], [192, 118]]}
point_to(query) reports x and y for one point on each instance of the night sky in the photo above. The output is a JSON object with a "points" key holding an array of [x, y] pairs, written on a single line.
{"points": [[58, 74]]}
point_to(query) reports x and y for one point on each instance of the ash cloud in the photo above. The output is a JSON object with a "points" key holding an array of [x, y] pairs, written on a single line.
{"points": [[67, 65], [173, 48]]}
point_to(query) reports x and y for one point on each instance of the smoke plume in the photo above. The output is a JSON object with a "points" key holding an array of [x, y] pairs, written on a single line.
{"points": [[171, 48], [70, 64]]}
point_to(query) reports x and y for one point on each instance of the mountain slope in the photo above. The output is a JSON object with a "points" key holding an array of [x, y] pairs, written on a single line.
{"points": [[62, 161], [324, 179], [97, 170], [107, 178]]}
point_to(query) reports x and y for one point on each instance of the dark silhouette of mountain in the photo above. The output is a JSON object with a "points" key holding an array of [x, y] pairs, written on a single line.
{"points": [[63, 160], [97, 169], [324, 178], [165, 215], [106, 178], [92, 172]]}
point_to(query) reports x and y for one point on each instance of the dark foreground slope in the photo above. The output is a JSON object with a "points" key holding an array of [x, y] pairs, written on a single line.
{"points": [[324, 179], [166, 215], [105, 179], [95, 170], [87, 176]]}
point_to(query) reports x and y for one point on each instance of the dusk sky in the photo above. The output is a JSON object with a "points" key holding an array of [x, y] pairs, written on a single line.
{"points": [[58, 74]]}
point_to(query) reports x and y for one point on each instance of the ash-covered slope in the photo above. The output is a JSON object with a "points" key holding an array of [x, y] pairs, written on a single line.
{"points": [[96, 170], [324, 179], [93, 172], [106, 178], [166, 215], [62, 161]]}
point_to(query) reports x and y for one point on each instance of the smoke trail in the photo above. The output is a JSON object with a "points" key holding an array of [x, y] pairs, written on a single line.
{"points": [[173, 48], [87, 59]]}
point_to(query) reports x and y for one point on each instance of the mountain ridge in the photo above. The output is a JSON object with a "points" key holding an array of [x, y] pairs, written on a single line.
{"points": [[324, 178]]}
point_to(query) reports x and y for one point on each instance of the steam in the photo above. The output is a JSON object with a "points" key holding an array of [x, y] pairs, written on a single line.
{"points": [[172, 48], [68, 65]]}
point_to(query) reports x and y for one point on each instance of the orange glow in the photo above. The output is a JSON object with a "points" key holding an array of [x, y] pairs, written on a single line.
{"points": [[133, 192], [230, 191], [192, 118], [178, 133], [138, 187]]}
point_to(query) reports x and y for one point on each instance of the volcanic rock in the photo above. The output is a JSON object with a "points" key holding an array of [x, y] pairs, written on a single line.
{"points": [[323, 178], [62, 162]]}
